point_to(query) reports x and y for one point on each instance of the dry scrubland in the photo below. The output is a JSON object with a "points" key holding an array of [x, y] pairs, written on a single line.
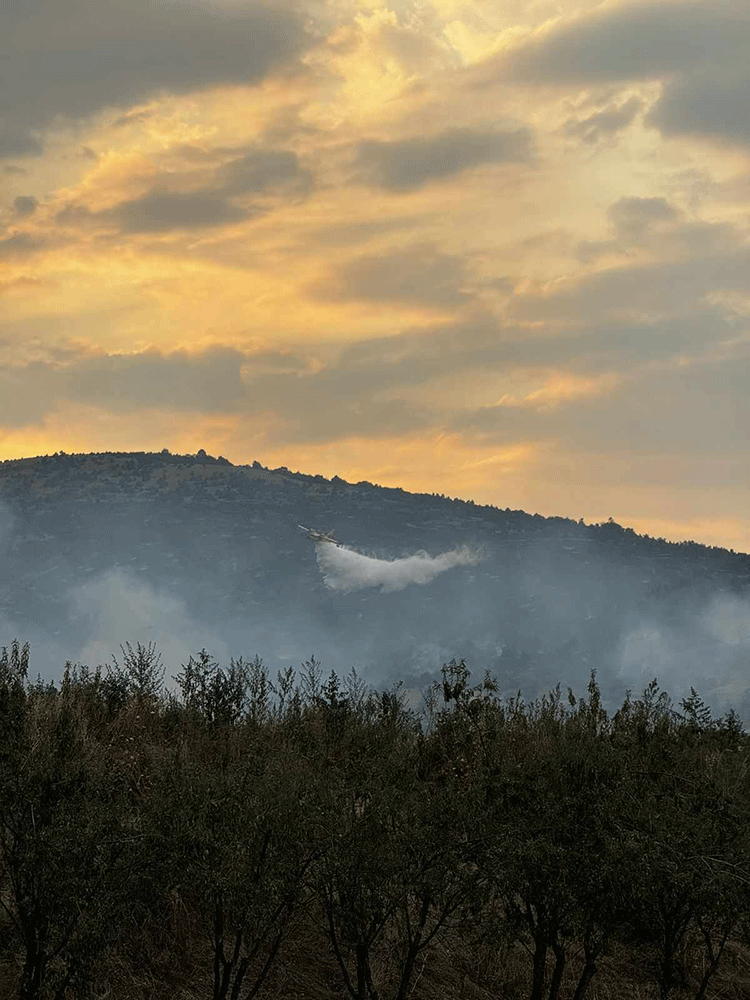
{"points": [[301, 837]]}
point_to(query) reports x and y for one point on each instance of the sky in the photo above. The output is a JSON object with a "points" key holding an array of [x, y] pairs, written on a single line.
{"points": [[495, 251]]}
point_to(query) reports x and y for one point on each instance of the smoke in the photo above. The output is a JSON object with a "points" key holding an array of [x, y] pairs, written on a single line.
{"points": [[118, 607], [647, 652], [707, 648], [727, 619], [531, 612], [345, 570]]}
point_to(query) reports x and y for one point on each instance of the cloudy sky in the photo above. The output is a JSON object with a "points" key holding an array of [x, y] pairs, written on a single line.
{"points": [[497, 251]]}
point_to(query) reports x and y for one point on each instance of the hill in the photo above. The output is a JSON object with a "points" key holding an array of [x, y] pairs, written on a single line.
{"points": [[191, 551]]}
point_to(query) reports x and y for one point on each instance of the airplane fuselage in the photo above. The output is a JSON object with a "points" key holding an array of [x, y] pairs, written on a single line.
{"points": [[319, 536]]}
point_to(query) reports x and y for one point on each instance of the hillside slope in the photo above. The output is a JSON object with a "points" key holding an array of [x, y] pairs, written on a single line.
{"points": [[191, 551]]}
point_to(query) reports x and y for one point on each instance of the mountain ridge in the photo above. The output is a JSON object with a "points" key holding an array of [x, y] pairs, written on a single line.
{"points": [[179, 464]]}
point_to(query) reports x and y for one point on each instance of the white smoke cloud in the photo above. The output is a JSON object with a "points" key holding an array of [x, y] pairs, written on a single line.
{"points": [[346, 570], [121, 608], [647, 652], [727, 618], [707, 649]]}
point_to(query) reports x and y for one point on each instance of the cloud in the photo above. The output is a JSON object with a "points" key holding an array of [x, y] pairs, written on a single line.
{"points": [[389, 385], [25, 205], [340, 415], [699, 261], [259, 170], [610, 120], [162, 211], [352, 396], [345, 570], [639, 292], [202, 196], [20, 245], [75, 215], [685, 413], [209, 381], [632, 221], [30, 392], [698, 49], [407, 164], [304, 406], [710, 102], [21, 283], [630, 41], [611, 320], [418, 276], [347, 233], [61, 61], [631, 216], [15, 141]]}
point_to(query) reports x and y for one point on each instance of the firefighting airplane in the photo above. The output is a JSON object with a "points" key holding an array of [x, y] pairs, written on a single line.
{"points": [[319, 536]]}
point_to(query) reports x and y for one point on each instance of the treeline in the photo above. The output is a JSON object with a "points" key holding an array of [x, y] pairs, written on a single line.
{"points": [[305, 837]]}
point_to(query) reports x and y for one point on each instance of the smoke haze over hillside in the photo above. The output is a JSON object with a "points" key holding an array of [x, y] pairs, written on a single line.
{"points": [[119, 604], [190, 553]]}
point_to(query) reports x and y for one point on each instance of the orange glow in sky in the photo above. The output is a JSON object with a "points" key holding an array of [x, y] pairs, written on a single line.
{"points": [[497, 251]]}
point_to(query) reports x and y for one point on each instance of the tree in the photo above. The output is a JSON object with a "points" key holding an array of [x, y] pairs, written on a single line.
{"points": [[142, 670], [550, 849], [391, 879], [239, 863], [688, 815], [221, 697], [62, 849]]}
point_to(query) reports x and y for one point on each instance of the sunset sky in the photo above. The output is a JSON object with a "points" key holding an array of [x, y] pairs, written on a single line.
{"points": [[493, 250]]}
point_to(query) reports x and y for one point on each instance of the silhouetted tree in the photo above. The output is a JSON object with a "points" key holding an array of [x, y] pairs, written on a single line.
{"points": [[141, 670], [62, 849]]}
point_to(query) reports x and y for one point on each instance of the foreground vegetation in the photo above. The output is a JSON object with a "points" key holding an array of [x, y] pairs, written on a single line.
{"points": [[303, 838]]}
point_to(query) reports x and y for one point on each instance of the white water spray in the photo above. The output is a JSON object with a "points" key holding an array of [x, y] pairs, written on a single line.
{"points": [[345, 570]]}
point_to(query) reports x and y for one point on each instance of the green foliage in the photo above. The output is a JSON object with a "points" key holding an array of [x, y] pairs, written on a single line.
{"points": [[141, 670], [223, 697], [62, 850], [213, 828]]}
